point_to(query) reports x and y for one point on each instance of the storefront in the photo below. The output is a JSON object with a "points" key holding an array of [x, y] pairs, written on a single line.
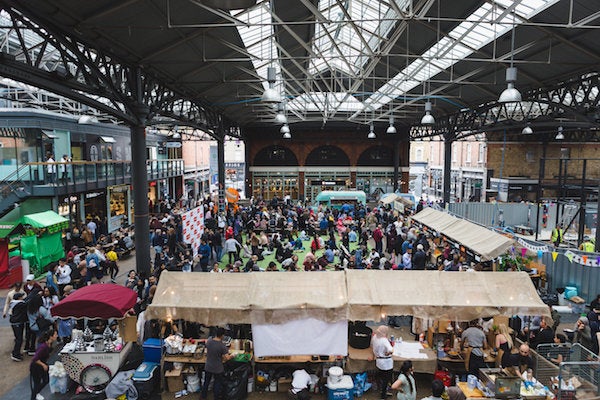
{"points": [[95, 204], [268, 184], [119, 206], [69, 207], [326, 178]]}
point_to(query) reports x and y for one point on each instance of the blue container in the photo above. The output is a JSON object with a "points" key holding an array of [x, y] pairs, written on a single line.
{"points": [[152, 350], [570, 291], [340, 394], [145, 371]]}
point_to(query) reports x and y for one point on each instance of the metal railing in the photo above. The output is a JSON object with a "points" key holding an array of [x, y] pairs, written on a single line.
{"points": [[77, 175]]}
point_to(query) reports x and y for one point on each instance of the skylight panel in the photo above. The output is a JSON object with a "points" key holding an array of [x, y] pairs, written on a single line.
{"points": [[466, 38], [258, 38]]}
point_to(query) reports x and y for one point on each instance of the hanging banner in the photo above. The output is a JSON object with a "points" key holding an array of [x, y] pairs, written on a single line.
{"points": [[193, 227], [554, 255]]}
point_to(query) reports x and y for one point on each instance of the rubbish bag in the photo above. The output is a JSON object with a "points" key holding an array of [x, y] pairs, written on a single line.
{"points": [[236, 381], [59, 380]]}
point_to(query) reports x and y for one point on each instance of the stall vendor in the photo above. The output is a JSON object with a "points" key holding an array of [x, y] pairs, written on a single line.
{"points": [[475, 339], [522, 361], [382, 350]]}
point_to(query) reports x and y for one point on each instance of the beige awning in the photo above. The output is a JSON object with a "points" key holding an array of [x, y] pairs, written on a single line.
{"points": [[388, 198], [487, 243], [462, 296], [278, 297], [269, 297]]}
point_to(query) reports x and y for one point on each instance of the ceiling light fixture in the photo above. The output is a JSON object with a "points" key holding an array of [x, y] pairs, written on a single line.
{"points": [[428, 118], [371, 134], [527, 130], [280, 117], [560, 135], [391, 129], [511, 94], [285, 130], [271, 95]]}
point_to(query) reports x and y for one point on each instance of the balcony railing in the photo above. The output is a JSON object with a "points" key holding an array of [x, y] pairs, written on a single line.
{"points": [[82, 174]]}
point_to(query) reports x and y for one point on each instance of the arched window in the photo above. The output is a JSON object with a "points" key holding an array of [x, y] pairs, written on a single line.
{"points": [[275, 156], [376, 156], [327, 155]]}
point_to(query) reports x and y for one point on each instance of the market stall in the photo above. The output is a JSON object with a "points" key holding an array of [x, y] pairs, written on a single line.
{"points": [[92, 360], [10, 265], [43, 242], [484, 243]]}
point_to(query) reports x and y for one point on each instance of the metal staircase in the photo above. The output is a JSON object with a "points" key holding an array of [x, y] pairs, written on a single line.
{"points": [[15, 188]]}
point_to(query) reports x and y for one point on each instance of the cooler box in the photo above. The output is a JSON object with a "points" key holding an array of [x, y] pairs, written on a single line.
{"points": [[152, 350], [146, 378], [570, 291], [342, 390]]}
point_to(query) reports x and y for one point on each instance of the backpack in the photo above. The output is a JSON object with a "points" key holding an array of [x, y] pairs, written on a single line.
{"points": [[19, 313]]}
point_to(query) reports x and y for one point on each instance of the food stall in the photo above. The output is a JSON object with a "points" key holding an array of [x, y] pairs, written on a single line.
{"points": [[449, 296], [43, 242], [92, 360]]}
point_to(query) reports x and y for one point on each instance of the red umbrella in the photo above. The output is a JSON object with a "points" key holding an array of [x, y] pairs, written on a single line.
{"points": [[103, 300]]}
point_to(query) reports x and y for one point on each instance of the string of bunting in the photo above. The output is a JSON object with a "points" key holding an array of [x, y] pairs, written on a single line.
{"points": [[592, 261], [531, 247]]}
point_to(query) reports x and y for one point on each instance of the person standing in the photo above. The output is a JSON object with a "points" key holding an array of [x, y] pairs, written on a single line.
{"points": [[63, 275], [476, 340], [204, 254], [51, 168], [38, 368], [557, 235], [382, 350], [378, 239], [64, 174], [18, 319], [15, 288], [216, 354], [405, 384]]}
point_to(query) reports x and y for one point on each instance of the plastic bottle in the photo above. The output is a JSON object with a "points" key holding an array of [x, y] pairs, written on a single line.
{"points": [[392, 340]]}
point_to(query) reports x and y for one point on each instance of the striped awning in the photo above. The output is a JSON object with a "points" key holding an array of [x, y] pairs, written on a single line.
{"points": [[12, 132]]}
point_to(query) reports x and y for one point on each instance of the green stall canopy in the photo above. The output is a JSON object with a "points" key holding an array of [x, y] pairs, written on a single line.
{"points": [[47, 219]]}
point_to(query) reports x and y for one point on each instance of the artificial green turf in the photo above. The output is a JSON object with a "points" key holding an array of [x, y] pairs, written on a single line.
{"points": [[300, 253]]}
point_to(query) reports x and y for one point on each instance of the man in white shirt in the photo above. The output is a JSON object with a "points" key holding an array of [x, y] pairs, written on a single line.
{"points": [[382, 350], [300, 384], [51, 167]]}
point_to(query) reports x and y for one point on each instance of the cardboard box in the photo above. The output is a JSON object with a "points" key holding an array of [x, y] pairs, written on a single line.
{"points": [[577, 300], [284, 384], [128, 329], [174, 380]]}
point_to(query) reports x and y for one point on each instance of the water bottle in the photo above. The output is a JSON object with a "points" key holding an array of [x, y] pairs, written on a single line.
{"points": [[392, 341]]}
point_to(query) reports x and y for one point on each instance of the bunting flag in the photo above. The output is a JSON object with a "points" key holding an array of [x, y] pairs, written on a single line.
{"points": [[582, 259], [532, 247], [540, 253], [569, 254], [523, 252], [554, 255]]}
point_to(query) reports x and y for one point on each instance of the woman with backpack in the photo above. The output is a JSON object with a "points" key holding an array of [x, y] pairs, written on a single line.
{"points": [[40, 319], [18, 319]]}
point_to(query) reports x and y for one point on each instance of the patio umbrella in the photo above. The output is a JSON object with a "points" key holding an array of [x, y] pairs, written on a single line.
{"points": [[103, 300]]}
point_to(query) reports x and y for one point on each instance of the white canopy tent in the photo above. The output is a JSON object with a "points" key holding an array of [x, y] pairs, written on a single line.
{"points": [[482, 241], [463, 296]]}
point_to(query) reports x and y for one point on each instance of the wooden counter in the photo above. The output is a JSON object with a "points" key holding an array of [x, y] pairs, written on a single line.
{"points": [[470, 393]]}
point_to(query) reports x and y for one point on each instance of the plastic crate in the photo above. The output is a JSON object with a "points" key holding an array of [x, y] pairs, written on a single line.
{"points": [[152, 350], [567, 395]]}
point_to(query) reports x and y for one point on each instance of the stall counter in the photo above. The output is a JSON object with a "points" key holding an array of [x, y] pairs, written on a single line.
{"points": [[360, 360]]}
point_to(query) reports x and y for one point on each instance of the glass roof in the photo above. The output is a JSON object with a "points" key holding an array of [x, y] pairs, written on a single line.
{"points": [[485, 24], [349, 33]]}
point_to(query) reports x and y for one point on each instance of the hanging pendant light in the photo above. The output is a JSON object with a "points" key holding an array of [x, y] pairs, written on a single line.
{"points": [[271, 95], [280, 117], [560, 135], [510, 94], [391, 129], [285, 130], [371, 134], [428, 118], [527, 130]]}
